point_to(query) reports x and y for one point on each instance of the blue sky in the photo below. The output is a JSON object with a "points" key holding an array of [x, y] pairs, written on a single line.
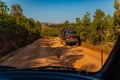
{"points": [[57, 11]]}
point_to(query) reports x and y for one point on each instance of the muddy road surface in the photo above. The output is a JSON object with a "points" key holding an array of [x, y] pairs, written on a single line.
{"points": [[49, 51]]}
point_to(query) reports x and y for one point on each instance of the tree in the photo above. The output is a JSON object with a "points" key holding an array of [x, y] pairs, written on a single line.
{"points": [[86, 20], [78, 21], [116, 4], [85, 27], [46, 24], [31, 24], [97, 27], [109, 28], [3, 8], [66, 23], [117, 13], [16, 10], [38, 27], [99, 15], [117, 17]]}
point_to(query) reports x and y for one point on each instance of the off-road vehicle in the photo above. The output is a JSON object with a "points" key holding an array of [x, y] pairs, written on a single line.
{"points": [[68, 36]]}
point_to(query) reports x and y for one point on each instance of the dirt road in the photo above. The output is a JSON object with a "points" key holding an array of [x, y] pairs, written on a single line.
{"points": [[49, 51]]}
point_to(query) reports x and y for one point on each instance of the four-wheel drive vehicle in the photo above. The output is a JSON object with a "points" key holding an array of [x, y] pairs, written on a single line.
{"points": [[68, 36]]}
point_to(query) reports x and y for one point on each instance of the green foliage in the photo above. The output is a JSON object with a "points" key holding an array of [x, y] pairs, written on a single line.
{"points": [[102, 28], [16, 23], [53, 29], [85, 32], [3, 8], [98, 27], [78, 26], [16, 10], [66, 23], [117, 15], [99, 30], [78, 21], [16, 30], [86, 20]]}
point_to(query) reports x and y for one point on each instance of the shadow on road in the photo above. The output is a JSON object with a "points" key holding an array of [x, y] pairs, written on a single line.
{"points": [[89, 67], [41, 53], [70, 59]]}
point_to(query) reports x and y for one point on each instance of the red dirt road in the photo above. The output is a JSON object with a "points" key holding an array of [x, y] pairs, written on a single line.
{"points": [[49, 51]]}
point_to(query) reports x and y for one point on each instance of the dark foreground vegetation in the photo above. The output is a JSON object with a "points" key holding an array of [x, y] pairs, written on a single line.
{"points": [[15, 29]]}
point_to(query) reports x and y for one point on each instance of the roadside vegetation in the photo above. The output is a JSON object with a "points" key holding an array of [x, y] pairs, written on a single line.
{"points": [[16, 30], [98, 33]]}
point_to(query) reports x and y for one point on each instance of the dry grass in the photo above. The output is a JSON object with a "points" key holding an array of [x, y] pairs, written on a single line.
{"points": [[106, 47]]}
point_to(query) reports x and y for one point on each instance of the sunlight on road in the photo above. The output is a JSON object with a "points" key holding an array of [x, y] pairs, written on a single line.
{"points": [[50, 52]]}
